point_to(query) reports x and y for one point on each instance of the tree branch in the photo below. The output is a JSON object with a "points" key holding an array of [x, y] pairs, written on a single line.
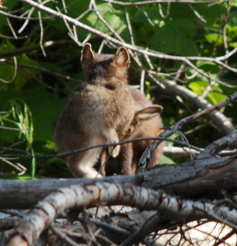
{"points": [[226, 125], [146, 52], [150, 2], [81, 196]]}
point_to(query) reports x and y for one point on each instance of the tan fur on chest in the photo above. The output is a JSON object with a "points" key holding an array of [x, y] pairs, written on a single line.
{"points": [[95, 108]]}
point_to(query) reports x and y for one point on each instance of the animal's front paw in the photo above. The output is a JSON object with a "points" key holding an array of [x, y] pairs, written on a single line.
{"points": [[114, 151]]}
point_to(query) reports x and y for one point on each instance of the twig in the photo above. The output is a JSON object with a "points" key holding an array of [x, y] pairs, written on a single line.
{"points": [[187, 152], [7, 223], [11, 28], [110, 228], [131, 34], [21, 17], [26, 22], [44, 70], [63, 236], [143, 51], [218, 119], [27, 50], [207, 89], [149, 225], [41, 33], [72, 152], [20, 168], [149, 2], [197, 14], [214, 148], [14, 72], [106, 24], [145, 158]]}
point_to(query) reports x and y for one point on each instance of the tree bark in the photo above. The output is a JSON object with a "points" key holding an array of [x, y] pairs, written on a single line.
{"points": [[195, 178]]}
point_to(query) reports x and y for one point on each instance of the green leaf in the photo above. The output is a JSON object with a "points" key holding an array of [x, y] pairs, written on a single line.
{"points": [[175, 37], [232, 34], [166, 160], [233, 44], [210, 13], [112, 16], [198, 86], [216, 95], [234, 3], [9, 5], [74, 9], [6, 70], [209, 67], [50, 145], [23, 120], [25, 177], [44, 106], [16, 74], [214, 38]]}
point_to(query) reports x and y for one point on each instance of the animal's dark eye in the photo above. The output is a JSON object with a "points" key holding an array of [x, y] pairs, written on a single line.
{"points": [[110, 86]]}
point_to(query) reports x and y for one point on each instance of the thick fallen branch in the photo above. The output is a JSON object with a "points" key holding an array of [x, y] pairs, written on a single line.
{"points": [[191, 179], [104, 193], [28, 192], [205, 173], [203, 177]]}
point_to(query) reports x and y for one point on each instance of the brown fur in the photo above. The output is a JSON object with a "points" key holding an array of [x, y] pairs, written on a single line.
{"points": [[98, 112], [146, 123]]}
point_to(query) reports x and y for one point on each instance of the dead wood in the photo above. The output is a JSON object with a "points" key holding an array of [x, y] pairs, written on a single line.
{"points": [[104, 193], [195, 178], [167, 189]]}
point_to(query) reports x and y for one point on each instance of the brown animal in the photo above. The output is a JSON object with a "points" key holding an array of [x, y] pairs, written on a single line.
{"points": [[100, 111], [146, 123]]}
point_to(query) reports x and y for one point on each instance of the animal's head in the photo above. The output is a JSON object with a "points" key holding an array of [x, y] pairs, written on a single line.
{"points": [[103, 68], [143, 115]]}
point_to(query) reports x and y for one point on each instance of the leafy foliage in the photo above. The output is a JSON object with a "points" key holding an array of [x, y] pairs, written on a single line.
{"points": [[34, 86]]}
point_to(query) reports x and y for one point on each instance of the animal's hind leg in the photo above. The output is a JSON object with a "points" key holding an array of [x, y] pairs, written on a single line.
{"points": [[103, 161], [82, 164], [156, 156], [127, 153]]}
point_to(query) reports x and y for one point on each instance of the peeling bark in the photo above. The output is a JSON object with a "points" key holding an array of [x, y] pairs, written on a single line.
{"points": [[203, 177], [105, 193], [195, 178]]}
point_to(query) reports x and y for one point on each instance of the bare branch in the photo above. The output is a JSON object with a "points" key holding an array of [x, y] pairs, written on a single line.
{"points": [[25, 154], [147, 52], [215, 147], [147, 153], [188, 152], [219, 120], [15, 62], [46, 211], [29, 49], [149, 2]]}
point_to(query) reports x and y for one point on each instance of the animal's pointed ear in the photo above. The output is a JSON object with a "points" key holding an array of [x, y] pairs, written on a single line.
{"points": [[121, 57], [147, 113], [87, 54]]}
